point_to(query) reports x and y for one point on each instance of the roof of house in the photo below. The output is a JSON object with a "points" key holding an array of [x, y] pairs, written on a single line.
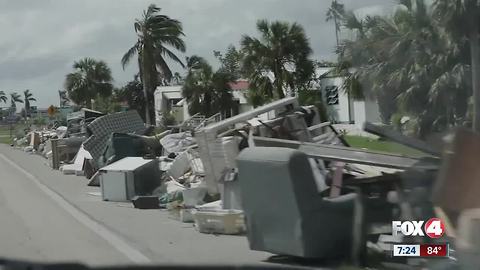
{"points": [[172, 94], [173, 88], [239, 85]]}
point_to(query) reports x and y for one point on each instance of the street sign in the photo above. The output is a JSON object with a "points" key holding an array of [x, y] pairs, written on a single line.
{"points": [[51, 110]]}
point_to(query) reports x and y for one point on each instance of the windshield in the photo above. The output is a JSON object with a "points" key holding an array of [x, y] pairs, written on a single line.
{"points": [[273, 133]]}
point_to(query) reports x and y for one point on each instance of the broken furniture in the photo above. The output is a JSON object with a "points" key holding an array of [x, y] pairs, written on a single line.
{"points": [[176, 142], [63, 150], [284, 212], [350, 155], [77, 121], [231, 188], [35, 140], [129, 177], [417, 172], [209, 146], [101, 128], [78, 163], [196, 121], [84, 113]]}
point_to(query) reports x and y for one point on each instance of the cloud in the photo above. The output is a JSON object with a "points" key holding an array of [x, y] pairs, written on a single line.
{"points": [[42, 39]]}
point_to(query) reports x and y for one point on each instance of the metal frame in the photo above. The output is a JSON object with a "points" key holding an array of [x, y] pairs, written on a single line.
{"points": [[206, 138], [347, 154]]}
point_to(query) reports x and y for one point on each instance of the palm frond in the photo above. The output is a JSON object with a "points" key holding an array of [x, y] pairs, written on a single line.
{"points": [[129, 55], [151, 10], [164, 69], [172, 41], [171, 55]]}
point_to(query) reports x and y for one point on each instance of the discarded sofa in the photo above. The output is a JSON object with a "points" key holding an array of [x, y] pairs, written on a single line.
{"points": [[284, 212], [63, 150]]}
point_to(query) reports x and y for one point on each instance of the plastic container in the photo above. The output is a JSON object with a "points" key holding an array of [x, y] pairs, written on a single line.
{"points": [[182, 215], [186, 216], [219, 221], [194, 196]]}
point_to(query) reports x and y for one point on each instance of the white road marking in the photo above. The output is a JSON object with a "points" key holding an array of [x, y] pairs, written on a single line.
{"points": [[113, 239]]}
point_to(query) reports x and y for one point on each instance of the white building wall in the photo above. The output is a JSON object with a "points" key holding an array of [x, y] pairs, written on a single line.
{"points": [[372, 111], [366, 111], [244, 108], [360, 113], [160, 103], [158, 106], [240, 95]]}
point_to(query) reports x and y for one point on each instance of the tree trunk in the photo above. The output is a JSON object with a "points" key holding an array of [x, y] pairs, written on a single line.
{"points": [[475, 57], [278, 81], [207, 104], [336, 28], [146, 86], [88, 103]]}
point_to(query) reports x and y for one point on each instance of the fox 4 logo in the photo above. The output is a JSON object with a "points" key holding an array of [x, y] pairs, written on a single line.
{"points": [[433, 228]]}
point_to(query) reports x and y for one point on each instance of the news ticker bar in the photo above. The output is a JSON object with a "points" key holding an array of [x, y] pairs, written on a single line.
{"points": [[420, 250]]}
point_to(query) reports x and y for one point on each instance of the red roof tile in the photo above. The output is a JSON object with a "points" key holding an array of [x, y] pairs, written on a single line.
{"points": [[239, 85]]}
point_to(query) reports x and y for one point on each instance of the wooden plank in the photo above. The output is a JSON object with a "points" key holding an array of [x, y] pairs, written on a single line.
{"points": [[250, 114], [336, 187], [321, 125], [348, 155], [322, 137]]}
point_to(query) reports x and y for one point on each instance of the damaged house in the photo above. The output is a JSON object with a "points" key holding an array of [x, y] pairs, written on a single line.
{"points": [[169, 99]]}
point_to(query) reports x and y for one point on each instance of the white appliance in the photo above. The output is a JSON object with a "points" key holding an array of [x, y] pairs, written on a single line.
{"points": [[129, 177]]}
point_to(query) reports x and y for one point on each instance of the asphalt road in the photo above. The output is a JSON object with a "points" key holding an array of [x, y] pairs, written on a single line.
{"points": [[46, 216]]}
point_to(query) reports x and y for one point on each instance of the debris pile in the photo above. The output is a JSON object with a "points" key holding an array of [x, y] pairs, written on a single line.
{"points": [[294, 179]]}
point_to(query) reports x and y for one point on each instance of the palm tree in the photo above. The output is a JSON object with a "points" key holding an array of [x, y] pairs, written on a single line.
{"points": [[3, 97], [230, 62], [90, 79], [207, 92], [261, 89], [14, 98], [27, 97], [411, 66], [155, 32], [132, 94], [281, 54], [461, 19], [335, 13]]}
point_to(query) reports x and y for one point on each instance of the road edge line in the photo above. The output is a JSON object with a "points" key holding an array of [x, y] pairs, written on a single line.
{"points": [[112, 238]]}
